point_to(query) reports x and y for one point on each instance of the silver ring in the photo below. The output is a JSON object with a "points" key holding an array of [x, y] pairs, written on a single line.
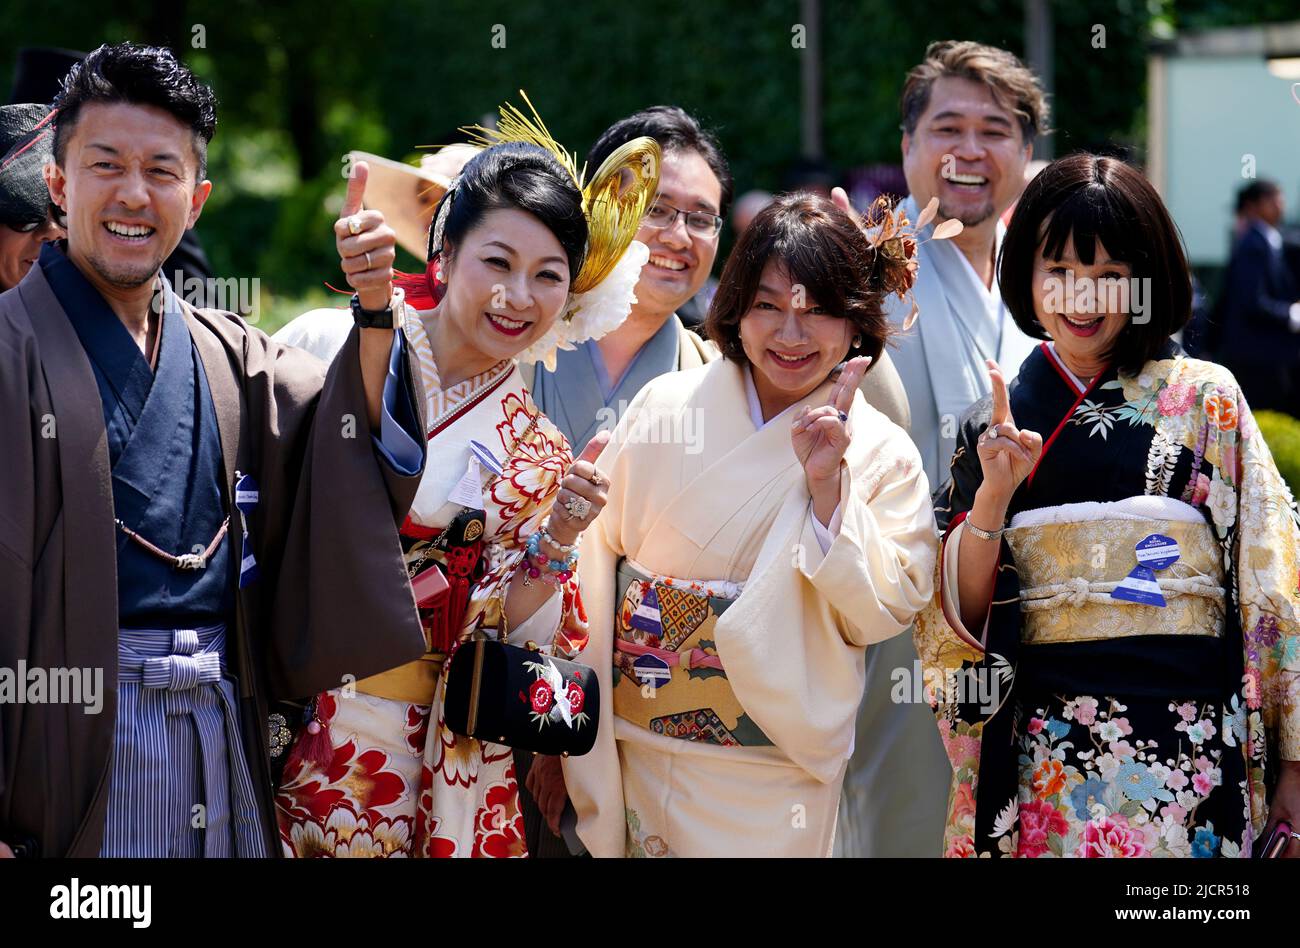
{"points": [[992, 432], [354, 225], [578, 508], [1295, 835]]}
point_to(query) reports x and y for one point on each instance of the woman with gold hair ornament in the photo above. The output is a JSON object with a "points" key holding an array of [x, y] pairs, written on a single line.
{"points": [[524, 257]]}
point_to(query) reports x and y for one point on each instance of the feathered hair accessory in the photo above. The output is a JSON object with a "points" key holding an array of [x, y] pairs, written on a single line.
{"points": [[894, 241], [613, 201]]}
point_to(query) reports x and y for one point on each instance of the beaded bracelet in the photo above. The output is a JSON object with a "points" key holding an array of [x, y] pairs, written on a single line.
{"points": [[539, 566], [545, 534]]}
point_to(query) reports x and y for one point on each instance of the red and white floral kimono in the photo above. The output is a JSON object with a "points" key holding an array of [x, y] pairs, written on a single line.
{"points": [[390, 784]]}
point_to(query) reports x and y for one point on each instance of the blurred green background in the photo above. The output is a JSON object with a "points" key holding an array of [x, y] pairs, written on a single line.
{"points": [[301, 83]]}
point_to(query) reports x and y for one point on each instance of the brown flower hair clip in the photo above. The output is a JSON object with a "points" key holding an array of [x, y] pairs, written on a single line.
{"points": [[894, 241]]}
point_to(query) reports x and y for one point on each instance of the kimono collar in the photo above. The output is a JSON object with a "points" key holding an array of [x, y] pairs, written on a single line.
{"points": [[122, 367], [756, 406]]}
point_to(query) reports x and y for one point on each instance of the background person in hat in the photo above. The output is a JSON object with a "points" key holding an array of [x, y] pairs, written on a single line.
{"points": [[25, 211]]}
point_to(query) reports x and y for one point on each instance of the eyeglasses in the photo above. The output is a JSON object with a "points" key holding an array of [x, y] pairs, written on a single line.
{"points": [[698, 223]]}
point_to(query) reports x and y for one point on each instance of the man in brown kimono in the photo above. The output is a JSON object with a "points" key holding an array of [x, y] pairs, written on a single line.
{"points": [[193, 515]]}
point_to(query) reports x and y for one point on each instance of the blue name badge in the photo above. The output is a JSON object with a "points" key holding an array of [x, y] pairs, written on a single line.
{"points": [[246, 498], [647, 618], [485, 457], [1140, 585], [652, 670], [1157, 552], [246, 494]]}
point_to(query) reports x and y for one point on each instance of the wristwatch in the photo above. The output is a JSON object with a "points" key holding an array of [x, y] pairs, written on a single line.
{"points": [[371, 318]]}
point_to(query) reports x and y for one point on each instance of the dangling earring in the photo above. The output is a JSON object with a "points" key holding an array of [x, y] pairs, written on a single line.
{"points": [[857, 341]]}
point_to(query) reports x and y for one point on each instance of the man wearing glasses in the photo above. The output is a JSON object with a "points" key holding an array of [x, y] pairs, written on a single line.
{"points": [[592, 384], [26, 218]]}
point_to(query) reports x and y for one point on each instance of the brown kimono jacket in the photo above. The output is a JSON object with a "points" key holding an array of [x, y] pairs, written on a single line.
{"points": [[333, 598]]}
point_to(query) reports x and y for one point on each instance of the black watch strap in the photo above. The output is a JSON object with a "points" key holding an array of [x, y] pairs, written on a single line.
{"points": [[371, 318]]}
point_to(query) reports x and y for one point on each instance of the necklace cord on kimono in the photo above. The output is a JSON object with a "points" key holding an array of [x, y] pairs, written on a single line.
{"points": [[185, 561]]}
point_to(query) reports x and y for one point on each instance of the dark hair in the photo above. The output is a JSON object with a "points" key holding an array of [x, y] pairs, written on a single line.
{"points": [[820, 248], [138, 75], [1254, 192], [1013, 84], [674, 130], [526, 177], [1096, 199]]}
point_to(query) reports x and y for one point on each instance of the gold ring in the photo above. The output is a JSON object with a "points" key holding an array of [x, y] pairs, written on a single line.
{"points": [[367, 260]]}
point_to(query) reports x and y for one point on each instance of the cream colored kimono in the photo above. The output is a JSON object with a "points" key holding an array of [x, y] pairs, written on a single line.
{"points": [[698, 491]]}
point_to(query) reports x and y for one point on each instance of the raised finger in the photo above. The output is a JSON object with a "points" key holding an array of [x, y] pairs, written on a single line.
{"points": [[1001, 400], [352, 202], [840, 198], [593, 448], [848, 382]]}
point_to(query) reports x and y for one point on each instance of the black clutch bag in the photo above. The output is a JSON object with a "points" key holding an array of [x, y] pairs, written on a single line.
{"points": [[521, 698]]}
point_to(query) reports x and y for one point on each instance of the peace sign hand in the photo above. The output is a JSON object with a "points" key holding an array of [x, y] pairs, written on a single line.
{"points": [[367, 246], [1006, 454], [821, 435]]}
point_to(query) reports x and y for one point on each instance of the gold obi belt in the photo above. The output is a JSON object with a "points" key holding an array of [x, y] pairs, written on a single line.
{"points": [[412, 683], [667, 674], [1068, 570]]}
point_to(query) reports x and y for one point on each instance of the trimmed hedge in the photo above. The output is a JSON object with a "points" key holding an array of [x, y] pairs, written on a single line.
{"points": [[1282, 435]]}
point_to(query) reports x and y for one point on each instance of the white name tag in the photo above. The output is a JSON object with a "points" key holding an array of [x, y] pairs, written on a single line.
{"points": [[468, 491]]}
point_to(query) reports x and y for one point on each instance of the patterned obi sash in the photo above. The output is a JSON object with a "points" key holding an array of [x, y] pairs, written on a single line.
{"points": [[1068, 570], [459, 557], [667, 674]]}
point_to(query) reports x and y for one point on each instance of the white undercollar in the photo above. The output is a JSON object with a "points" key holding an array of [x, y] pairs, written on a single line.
{"points": [[755, 406], [1080, 385]]}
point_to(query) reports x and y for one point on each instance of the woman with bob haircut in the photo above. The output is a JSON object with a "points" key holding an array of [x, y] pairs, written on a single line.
{"points": [[1118, 573], [764, 525]]}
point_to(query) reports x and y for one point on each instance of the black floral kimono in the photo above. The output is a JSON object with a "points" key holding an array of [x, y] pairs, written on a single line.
{"points": [[1079, 721]]}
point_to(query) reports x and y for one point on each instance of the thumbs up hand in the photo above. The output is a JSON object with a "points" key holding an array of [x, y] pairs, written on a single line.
{"points": [[367, 246], [582, 495]]}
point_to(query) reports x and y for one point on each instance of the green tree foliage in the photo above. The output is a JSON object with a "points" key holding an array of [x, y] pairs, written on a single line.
{"points": [[300, 83]]}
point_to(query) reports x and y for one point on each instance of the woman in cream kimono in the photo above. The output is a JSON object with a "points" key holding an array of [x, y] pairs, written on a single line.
{"points": [[517, 248], [1115, 654], [764, 525]]}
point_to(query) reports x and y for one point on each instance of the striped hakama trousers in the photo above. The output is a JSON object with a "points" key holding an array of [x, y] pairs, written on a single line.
{"points": [[180, 784]]}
